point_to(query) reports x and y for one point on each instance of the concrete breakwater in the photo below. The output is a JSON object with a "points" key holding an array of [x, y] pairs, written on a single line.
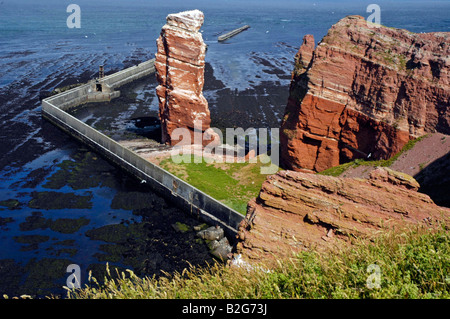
{"points": [[180, 193], [232, 33]]}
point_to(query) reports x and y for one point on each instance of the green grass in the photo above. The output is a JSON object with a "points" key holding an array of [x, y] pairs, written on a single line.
{"points": [[413, 264], [234, 184], [338, 170]]}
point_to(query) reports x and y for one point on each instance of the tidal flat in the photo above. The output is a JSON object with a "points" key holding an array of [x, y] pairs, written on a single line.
{"points": [[82, 210]]}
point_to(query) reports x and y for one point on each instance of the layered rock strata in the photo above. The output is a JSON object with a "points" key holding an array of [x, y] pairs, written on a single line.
{"points": [[364, 91], [180, 62], [296, 211]]}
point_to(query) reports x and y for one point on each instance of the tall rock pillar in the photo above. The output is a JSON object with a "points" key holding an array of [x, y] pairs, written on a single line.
{"points": [[180, 62]]}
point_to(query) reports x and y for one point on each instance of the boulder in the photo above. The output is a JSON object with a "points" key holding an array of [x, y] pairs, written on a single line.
{"points": [[221, 249], [211, 233], [297, 211]]}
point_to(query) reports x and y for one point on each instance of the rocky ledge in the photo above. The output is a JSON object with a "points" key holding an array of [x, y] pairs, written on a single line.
{"points": [[364, 91], [296, 211]]}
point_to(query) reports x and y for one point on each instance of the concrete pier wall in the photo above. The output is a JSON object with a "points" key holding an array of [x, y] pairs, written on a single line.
{"points": [[232, 33], [130, 74], [178, 191], [70, 98]]}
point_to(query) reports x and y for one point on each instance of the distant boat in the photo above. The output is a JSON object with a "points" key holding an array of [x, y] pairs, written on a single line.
{"points": [[232, 33]]}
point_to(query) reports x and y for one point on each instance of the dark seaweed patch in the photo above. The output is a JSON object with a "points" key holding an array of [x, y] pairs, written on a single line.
{"points": [[61, 225], [86, 170], [10, 203], [56, 200]]}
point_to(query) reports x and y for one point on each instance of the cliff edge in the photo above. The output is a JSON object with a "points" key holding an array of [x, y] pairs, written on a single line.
{"points": [[298, 211], [364, 92]]}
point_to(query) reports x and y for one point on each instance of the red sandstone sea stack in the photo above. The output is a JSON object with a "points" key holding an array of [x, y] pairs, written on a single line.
{"points": [[364, 92], [180, 62]]}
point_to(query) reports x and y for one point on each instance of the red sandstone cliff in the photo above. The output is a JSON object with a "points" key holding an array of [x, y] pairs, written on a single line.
{"points": [[296, 211], [364, 90], [180, 62]]}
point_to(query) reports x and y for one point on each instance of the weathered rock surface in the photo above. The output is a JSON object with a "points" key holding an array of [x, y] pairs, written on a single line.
{"points": [[218, 244], [180, 62], [296, 211], [364, 90]]}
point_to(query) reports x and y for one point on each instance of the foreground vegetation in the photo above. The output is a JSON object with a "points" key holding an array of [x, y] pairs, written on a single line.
{"points": [[414, 264]]}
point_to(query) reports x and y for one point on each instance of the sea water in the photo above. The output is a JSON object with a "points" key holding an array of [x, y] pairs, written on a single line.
{"points": [[62, 204]]}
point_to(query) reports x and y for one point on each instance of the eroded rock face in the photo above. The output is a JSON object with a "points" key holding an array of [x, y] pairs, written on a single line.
{"points": [[296, 211], [364, 91], [180, 61]]}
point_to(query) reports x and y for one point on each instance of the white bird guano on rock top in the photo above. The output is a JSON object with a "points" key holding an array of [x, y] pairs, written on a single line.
{"points": [[189, 20]]}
